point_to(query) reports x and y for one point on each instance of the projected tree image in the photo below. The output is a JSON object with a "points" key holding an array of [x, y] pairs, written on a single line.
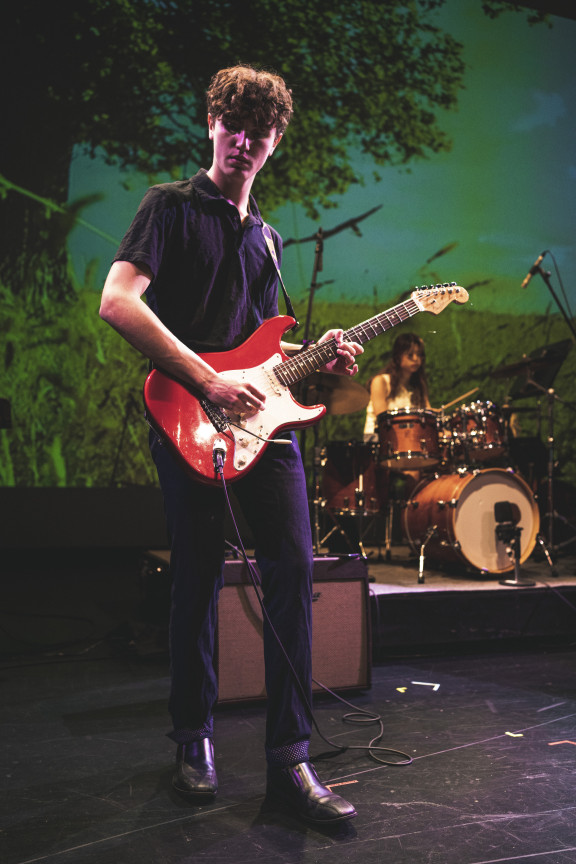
{"points": [[124, 81]]}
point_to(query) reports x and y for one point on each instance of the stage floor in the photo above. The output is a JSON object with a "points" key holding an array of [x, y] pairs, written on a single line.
{"points": [[400, 573], [86, 767]]}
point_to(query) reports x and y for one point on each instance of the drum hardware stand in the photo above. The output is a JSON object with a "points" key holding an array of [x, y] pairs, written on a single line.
{"points": [[360, 501], [429, 534], [317, 267], [548, 547], [391, 508], [388, 522], [337, 527], [551, 514], [540, 539], [317, 501], [507, 516]]}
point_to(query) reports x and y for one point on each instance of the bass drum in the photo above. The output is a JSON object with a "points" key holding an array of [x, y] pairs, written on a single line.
{"points": [[461, 509]]}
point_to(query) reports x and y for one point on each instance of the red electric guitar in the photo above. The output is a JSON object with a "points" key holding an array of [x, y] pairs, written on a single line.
{"points": [[197, 429]]}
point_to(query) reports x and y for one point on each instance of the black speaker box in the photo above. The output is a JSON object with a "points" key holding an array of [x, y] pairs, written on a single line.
{"points": [[341, 647]]}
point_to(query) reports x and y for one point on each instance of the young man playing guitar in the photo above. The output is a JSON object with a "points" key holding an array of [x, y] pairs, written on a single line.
{"points": [[197, 252]]}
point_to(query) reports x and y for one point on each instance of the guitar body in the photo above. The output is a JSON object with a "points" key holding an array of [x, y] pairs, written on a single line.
{"points": [[195, 429], [175, 410]]}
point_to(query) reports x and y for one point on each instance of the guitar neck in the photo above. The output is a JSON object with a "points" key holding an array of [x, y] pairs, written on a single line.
{"points": [[311, 359]]}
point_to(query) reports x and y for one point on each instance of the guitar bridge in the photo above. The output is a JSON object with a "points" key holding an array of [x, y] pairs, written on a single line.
{"points": [[216, 415]]}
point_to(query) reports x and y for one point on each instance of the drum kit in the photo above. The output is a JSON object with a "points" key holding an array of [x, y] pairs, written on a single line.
{"points": [[458, 498]]}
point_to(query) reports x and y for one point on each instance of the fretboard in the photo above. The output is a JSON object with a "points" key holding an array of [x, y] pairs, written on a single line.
{"points": [[311, 359]]}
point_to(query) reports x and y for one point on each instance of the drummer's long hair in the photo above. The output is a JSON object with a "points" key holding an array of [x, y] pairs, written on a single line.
{"points": [[418, 382]]}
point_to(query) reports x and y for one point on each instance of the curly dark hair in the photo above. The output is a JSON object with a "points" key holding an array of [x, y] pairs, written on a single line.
{"points": [[244, 91]]}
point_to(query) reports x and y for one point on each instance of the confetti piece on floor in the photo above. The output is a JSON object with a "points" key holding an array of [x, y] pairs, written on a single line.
{"points": [[426, 684], [401, 689], [344, 783], [553, 743], [549, 707], [515, 734]]}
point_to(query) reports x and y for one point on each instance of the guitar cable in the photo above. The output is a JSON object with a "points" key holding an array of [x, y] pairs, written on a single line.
{"points": [[358, 715], [221, 421], [260, 438]]}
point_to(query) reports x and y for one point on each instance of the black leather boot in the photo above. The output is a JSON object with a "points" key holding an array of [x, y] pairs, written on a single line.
{"points": [[299, 787], [195, 775]]}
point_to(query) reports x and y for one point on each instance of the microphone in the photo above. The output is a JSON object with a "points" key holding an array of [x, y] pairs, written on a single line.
{"points": [[534, 269]]}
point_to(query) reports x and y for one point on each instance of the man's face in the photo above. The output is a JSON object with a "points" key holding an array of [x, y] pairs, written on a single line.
{"points": [[240, 147]]}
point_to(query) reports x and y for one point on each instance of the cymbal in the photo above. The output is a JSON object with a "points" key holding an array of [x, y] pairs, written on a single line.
{"points": [[339, 393], [529, 363]]}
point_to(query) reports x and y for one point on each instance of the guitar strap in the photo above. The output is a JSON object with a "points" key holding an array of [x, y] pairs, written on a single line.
{"points": [[271, 248]]}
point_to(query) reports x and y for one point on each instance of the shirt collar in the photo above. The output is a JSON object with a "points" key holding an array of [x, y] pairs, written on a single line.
{"points": [[208, 191]]}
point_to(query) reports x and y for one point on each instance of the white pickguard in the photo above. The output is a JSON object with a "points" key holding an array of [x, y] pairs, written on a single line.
{"points": [[281, 411]]}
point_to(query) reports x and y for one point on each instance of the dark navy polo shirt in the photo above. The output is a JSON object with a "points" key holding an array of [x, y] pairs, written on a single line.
{"points": [[214, 281]]}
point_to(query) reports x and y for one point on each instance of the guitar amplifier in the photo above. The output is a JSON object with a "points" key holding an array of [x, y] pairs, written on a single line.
{"points": [[341, 646]]}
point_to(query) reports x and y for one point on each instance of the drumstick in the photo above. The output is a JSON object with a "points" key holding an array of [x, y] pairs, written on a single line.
{"points": [[463, 396]]}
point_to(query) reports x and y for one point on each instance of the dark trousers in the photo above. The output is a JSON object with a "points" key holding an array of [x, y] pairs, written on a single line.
{"points": [[274, 502]]}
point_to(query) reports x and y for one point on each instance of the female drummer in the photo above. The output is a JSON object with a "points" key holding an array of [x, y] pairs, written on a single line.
{"points": [[401, 384]]}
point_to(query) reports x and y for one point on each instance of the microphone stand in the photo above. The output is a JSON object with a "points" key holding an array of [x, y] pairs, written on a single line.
{"points": [[550, 514], [545, 274], [551, 396], [317, 268]]}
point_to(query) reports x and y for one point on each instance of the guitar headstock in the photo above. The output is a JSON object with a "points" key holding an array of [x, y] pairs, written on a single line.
{"points": [[435, 298]]}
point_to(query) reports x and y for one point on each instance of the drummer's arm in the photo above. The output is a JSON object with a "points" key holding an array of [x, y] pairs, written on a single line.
{"points": [[379, 393]]}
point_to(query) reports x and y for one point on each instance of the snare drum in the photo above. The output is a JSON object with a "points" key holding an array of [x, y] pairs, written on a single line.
{"points": [[351, 479], [461, 509], [408, 439], [480, 431]]}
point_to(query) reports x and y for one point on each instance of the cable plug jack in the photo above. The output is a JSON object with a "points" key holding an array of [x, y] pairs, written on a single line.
{"points": [[219, 456]]}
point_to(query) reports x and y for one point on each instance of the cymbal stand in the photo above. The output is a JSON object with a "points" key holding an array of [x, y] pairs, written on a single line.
{"points": [[316, 268], [362, 513], [317, 501], [551, 514]]}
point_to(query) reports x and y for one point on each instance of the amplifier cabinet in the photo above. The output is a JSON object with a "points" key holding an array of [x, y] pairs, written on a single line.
{"points": [[341, 647]]}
